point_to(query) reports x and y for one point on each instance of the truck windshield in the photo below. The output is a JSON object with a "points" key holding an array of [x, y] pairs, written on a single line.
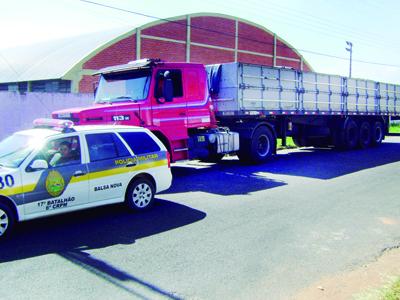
{"points": [[15, 149], [127, 86]]}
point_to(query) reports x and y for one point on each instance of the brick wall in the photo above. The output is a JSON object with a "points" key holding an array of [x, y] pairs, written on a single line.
{"points": [[174, 30], [121, 52], [255, 39], [87, 83], [205, 30], [168, 51], [213, 31]]}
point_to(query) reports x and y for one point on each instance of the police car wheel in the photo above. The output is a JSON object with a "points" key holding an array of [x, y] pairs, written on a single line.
{"points": [[140, 195], [7, 220]]}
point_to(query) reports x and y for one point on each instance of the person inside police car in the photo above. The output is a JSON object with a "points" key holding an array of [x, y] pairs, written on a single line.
{"points": [[65, 155]]}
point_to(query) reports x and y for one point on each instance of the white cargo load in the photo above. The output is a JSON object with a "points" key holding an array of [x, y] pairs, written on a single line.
{"points": [[253, 89]]}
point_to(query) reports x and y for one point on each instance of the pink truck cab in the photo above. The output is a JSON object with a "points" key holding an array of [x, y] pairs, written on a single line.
{"points": [[170, 99]]}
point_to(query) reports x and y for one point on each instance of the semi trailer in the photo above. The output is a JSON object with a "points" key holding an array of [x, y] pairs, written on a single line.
{"points": [[206, 112]]}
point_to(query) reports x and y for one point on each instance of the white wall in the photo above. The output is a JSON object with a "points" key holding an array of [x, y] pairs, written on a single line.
{"points": [[17, 111]]}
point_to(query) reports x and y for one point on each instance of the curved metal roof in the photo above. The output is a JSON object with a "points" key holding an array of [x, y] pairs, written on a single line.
{"points": [[51, 59], [58, 59]]}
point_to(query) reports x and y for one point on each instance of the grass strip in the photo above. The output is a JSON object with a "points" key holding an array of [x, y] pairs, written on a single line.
{"points": [[394, 128], [393, 292]]}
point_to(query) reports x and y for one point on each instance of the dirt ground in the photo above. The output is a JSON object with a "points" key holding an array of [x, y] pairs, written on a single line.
{"points": [[361, 283]]}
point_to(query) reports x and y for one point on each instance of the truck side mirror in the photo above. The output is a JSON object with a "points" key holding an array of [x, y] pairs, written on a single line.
{"points": [[168, 90]]}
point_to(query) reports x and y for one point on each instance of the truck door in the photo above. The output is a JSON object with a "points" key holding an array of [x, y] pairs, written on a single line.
{"points": [[198, 106], [170, 115]]}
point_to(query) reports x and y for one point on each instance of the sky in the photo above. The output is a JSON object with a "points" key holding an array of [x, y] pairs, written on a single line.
{"points": [[318, 29]]}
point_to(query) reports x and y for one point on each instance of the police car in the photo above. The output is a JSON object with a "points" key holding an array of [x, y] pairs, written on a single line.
{"points": [[57, 167]]}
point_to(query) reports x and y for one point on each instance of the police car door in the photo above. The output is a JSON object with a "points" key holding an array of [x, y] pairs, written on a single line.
{"points": [[63, 185], [109, 167]]}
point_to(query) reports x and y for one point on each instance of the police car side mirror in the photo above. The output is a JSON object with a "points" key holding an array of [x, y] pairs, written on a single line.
{"points": [[39, 164]]}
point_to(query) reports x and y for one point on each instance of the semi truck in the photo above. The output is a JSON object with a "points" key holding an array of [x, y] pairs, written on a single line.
{"points": [[206, 112]]}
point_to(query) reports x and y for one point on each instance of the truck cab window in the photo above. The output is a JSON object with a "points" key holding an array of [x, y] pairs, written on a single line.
{"points": [[175, 76]]}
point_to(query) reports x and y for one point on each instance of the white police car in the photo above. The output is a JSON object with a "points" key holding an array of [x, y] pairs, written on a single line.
{"points": [[57, 167]]}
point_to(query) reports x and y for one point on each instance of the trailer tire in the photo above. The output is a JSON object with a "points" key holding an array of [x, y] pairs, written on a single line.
{"points": [[260, 148], [350, 134], [377, 133], [7, 221], [364, 140]]}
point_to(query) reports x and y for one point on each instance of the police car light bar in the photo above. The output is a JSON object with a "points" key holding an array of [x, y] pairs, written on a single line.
{"points": [[63, 125]]}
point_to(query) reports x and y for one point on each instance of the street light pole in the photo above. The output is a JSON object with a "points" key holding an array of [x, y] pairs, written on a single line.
{"points": [[350, 49]]}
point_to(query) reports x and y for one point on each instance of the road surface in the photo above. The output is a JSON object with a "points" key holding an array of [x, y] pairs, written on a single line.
{"points": [[222, 231]]}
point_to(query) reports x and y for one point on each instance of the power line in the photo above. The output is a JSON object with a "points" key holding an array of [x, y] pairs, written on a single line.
{"points": [[239, 36]]}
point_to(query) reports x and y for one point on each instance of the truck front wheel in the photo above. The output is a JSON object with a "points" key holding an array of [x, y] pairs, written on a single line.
{"points": [[260, 148]]}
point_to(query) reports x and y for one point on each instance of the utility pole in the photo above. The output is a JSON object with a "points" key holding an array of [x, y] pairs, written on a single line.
{"points": [[350, 49]]}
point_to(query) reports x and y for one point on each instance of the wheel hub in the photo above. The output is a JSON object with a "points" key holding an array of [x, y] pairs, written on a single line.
{"points": [[3, 222], [141, 195], [263, 145]]}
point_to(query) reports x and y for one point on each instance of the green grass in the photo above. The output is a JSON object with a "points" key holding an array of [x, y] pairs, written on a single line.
{"points": [[393, 292], [394, 128], [289, 144]]}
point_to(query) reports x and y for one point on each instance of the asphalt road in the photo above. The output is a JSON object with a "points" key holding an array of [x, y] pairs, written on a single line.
{"points": [[225, 231]]}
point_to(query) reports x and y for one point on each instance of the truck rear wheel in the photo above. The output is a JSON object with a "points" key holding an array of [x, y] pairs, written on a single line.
{"points": [[350, 134], [364, 135], [260, 148], [377, 133]]}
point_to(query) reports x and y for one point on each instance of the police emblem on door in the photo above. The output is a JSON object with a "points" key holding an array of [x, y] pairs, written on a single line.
{"points": [[55, 183]]}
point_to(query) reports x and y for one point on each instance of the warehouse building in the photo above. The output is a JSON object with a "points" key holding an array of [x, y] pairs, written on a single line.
{"points": [[67, 65]]}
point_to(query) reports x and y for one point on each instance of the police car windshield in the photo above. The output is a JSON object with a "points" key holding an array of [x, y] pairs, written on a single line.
{"points": [[15, 149], [121, 87]]}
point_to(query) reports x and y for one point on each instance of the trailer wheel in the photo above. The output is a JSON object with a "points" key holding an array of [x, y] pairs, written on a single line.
{"points": [[350, 134], [377, 133], [364, 135], [7, 221], [260, 148]]}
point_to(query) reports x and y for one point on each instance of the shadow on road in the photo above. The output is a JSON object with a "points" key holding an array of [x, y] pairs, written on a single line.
{"points": [[225, 178], [329, 163], [95, 228], [114, 276], [231, 177]]}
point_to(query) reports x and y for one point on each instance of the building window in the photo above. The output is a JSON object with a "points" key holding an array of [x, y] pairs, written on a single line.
{"points": [[22, 87], [51, 86]]}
